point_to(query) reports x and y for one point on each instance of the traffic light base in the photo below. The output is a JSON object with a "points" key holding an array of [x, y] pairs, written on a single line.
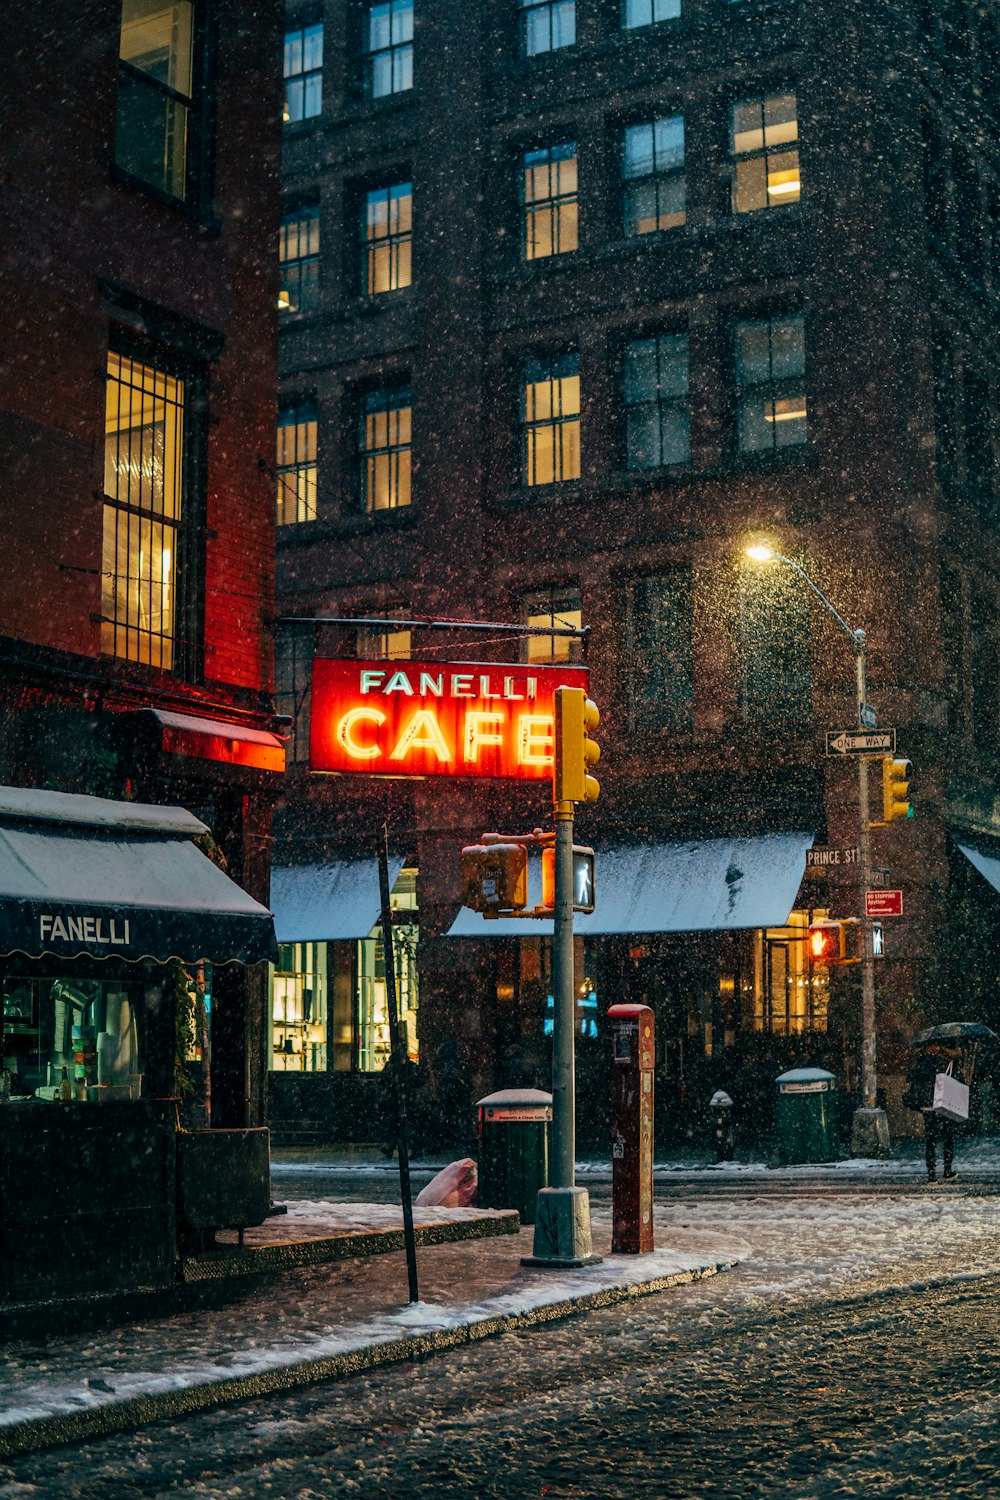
{"points": [[870, 1133], [562, 1229]]}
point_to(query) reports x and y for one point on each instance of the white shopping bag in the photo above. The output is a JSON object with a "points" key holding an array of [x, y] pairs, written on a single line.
{"points": [[951, 1098]]}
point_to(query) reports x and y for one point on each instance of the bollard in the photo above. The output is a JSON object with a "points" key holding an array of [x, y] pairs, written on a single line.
{"points": [[632, 1061], [721, 1107]]}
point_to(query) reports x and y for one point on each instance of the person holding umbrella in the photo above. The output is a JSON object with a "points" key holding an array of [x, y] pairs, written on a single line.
{"points": [[939, 1050]]}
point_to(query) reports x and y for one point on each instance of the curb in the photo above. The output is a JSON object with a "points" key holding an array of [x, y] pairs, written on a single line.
{"points": [[34, 1434]]}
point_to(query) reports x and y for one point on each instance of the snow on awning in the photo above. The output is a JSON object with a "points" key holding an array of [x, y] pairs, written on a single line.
{"points": [[711, 885], [330, 902], [987, 865], [83, 876]]}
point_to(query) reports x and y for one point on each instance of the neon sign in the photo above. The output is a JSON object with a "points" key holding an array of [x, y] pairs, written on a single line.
{"points": [[413, 718]]}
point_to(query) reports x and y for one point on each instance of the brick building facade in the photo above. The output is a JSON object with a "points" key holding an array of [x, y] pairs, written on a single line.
{"points": [[578, 301]]}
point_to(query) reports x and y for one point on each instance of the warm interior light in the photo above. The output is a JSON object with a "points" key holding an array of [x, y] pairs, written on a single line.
{"points": [[760, 552], [793, 410], [284, 302], [782, 183]]}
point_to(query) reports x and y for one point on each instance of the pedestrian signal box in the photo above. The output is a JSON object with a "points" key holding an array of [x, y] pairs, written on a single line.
{"points": [[495, 878], [830, 942], [583, 878]]}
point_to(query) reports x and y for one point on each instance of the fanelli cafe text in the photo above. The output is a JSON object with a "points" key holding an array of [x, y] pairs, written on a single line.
{"points": [[415, 718]]}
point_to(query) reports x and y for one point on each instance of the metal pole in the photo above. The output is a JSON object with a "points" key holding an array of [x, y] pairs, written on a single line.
{"points": [[868, 1050], [397, 1057], [564, 1006]]}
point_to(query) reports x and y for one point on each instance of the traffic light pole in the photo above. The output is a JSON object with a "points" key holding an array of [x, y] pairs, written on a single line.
{"points": [[870, 1127], [564, 1004]]}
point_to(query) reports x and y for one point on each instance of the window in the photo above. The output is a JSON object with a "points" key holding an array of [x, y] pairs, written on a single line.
{"points": [[293, 659], [297, 467], [648, 12], [384, 441], [298, 253], [657, 409], [303, 74], [299, 1009], [550, 447], [774, 650], [158, 115], [390, 642], [147, 592], [653, 175], [388, 238], [770, 378], [550, 201], [552, 609], [792, 994], [659, 651], [547, 25], [984, 664], [765, 153], [40, 1012], [389, 48], [372, 1009]]}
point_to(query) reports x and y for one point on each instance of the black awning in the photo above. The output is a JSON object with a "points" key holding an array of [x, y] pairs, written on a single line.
{"points": [[83, 876]]}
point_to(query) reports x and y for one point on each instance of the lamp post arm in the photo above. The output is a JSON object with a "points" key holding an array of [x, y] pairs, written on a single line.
{"points": [[856, 637]]}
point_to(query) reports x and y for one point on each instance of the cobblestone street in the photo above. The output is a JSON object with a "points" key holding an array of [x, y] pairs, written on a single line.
{"points": [[778, 1379]]}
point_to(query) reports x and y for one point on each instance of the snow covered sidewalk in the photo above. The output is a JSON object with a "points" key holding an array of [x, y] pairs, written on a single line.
{"points": [[319, 1323]]}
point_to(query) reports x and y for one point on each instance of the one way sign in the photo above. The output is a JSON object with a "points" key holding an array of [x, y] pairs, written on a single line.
{"points": [[860, 742]]}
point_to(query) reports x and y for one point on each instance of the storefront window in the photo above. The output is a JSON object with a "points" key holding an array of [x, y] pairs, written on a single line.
{"points": [[372, 1010], [790, 992], [299, 1009], [71, 1038]]}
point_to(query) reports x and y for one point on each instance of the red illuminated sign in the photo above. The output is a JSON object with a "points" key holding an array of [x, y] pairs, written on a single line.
{"points": [[416, 718]]}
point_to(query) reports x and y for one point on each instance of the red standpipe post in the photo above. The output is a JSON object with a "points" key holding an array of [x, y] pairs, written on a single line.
{"points": [[633, 1056]]}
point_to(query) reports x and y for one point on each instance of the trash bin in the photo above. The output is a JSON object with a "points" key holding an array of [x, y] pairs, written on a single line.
{"points": [[514, 1128], [806, 1116]]}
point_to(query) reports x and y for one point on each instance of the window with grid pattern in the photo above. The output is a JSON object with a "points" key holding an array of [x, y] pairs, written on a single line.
{"points": [[659, 652], [144, 502], [384, 447], [770, 380], [303, 73], [297, 464], [388, 48], [547, 25], [657, 404], [298, 254], [158, 114], [648, 12], [388, 238], [550, 417], [764, 141], [551, 609], [653, 175], [550, 202]]}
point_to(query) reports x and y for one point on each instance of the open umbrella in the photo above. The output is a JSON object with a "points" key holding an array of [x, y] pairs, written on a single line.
{"points": [[954, 1031]]}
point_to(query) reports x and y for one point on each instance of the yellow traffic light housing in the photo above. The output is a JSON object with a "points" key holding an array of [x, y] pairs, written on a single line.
{"points": [[575, 751], [495, 878], [895, 789]]}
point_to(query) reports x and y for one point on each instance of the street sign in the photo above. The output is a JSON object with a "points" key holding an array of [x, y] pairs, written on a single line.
{"points": [[883, 903], [823, 857], [860, 742]]}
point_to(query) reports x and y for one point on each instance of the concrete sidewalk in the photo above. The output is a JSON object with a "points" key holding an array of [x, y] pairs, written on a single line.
{"points": [[317, 1323]]}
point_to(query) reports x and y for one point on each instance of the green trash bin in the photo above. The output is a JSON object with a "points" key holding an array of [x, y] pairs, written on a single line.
{"points": [[514, 1128], [807, 1116]]}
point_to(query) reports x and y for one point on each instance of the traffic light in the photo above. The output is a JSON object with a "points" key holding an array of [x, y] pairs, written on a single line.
{"points": [[895, 789], [825, 942], [495, 878], [575, 751]]}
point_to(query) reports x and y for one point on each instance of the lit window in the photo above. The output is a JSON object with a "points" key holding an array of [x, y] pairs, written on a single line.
{"points": [[547, 25], [765, 135], [653, 176], [384, 441], [303, 74], [144, 505], [390, 642], [658, 638], [299, 1009], [389, 48], [298, 253], [550, 448], [648, 12], [372, 1007], [297, 467], [551, 610], [791, 992], [770, 379], [157, 116], [388, 238], [657, 408], [550, 201]]}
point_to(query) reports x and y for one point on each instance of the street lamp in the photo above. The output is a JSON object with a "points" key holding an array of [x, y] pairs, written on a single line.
{"points": [[870, 1128]]}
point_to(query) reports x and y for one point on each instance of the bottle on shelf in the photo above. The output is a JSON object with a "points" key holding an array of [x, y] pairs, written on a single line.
{"points": [[65, 1087]]}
